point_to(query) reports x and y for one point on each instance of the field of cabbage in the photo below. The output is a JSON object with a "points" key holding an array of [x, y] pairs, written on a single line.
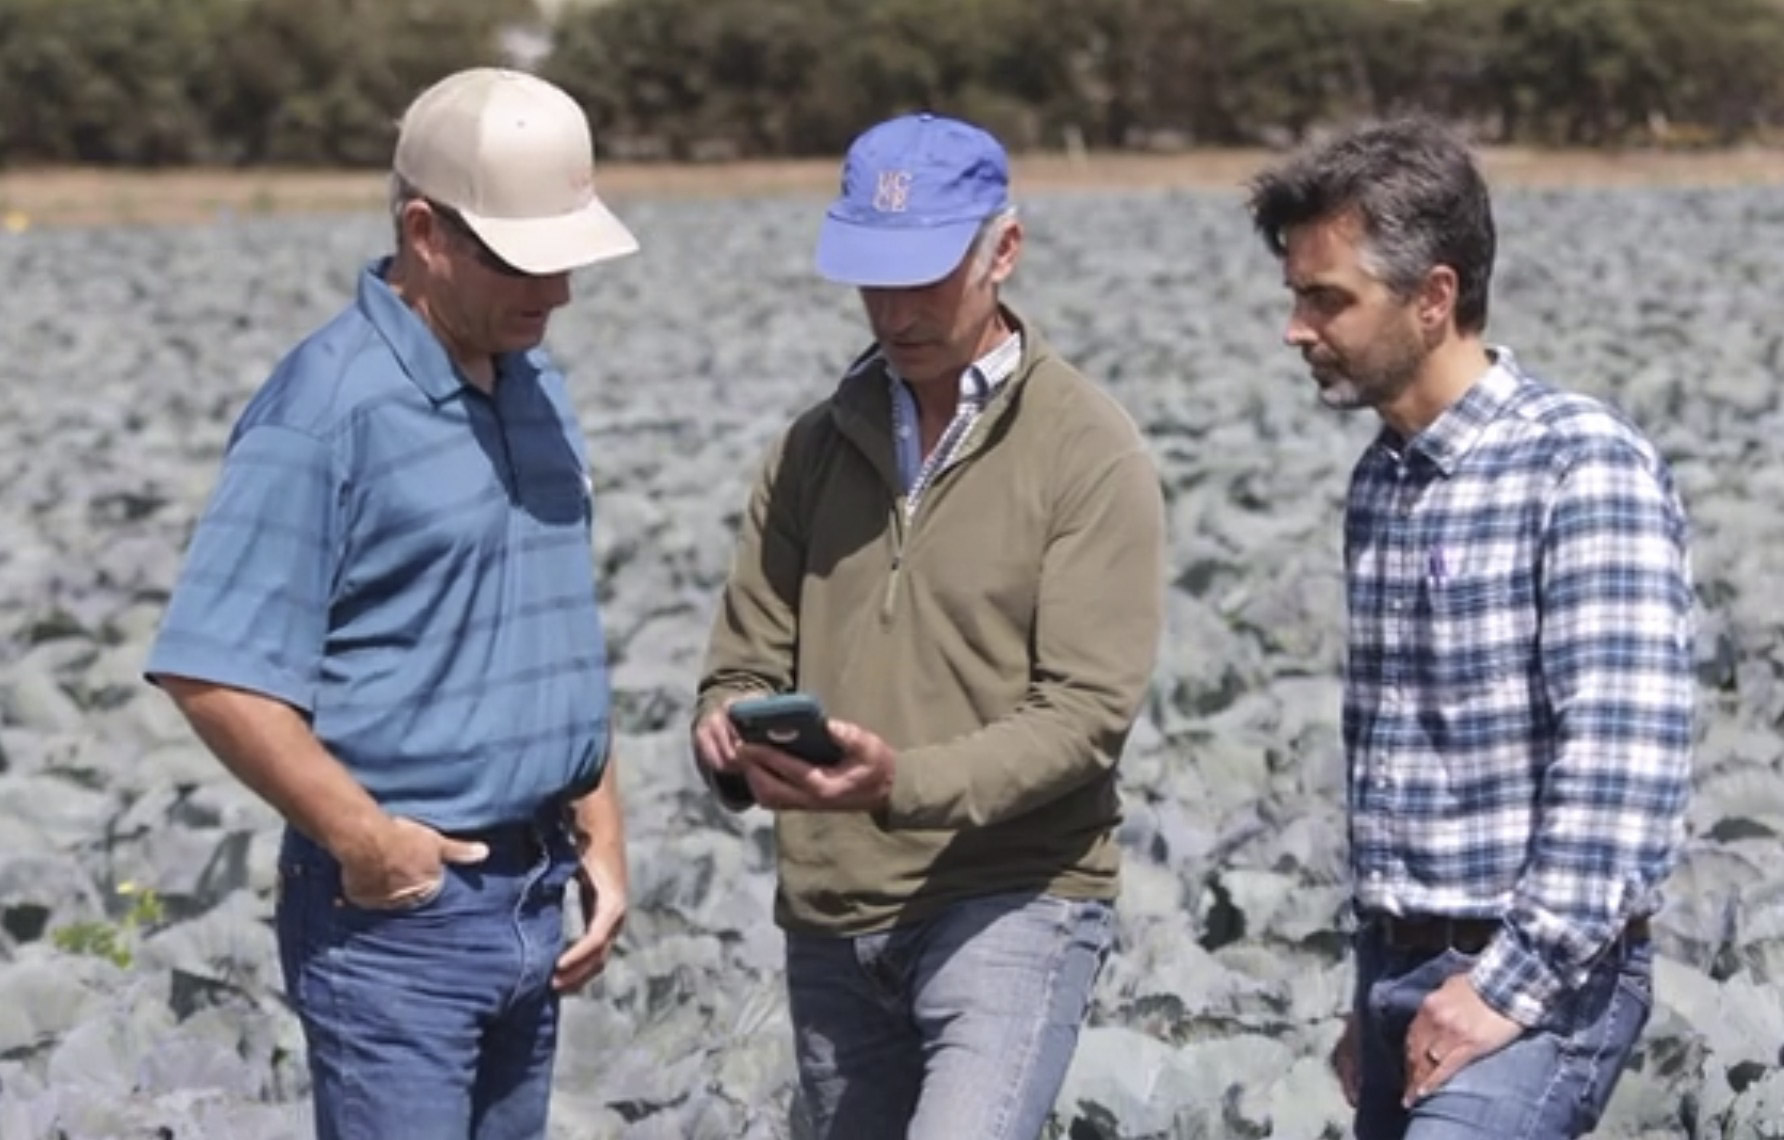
{"points": [[139, 988]]}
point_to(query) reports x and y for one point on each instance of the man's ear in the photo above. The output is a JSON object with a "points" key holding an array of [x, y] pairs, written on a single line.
{"points": [[422, 232], [1437, 298], [1009, 249]]}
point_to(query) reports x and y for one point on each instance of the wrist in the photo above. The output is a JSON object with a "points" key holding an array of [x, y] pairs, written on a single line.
{"points": [[352, 836], [1512, 981]]}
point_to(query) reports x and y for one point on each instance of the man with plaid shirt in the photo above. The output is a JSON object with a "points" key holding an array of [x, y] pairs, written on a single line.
{"points": [[1518, 697]]}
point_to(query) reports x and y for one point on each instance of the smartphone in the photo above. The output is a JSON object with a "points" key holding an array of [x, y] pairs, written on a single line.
{"points": [[791, 722]]}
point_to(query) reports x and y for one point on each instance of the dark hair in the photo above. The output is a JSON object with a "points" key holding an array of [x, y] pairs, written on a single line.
{"points": [[1416, 189]]}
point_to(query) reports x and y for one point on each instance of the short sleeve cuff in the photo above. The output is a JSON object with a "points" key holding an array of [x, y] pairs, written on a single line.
{"points": [[178, 656]]}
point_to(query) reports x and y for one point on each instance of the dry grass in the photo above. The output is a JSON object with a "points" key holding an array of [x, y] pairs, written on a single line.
{"points": [[89, 197]]}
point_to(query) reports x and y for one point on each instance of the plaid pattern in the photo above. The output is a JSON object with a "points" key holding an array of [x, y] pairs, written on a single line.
{"points": [[1518, 699], [982, 378]]}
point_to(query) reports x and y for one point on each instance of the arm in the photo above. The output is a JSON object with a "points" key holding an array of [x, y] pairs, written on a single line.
{"points": [[751, 645], [1615, 655], [268, 746], [240, 649], [600, 827], [1098, 618], [240, 646], [602, 877]]}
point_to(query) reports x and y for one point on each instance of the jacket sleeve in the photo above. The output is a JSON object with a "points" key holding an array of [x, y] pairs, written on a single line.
{"points": [[1099, 612], [750, 646]]}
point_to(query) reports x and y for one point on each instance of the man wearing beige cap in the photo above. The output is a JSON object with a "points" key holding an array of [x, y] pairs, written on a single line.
{"points": [[386, 626]]}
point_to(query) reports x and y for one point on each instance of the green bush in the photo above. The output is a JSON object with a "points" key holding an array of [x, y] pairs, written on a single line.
{"points": [[321, 82], [1720, 60], [672, 77], [162, 82], [109, 81]]}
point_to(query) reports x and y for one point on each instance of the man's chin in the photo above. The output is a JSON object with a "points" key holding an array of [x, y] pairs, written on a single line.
{"points": [[521, 333], [916, 363], [1340, 396]]}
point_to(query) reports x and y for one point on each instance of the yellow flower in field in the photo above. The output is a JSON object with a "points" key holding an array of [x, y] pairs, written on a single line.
{"points": [[128, 887]]}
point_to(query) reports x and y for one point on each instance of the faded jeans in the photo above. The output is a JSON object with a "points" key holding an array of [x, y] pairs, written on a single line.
{"points": [[1552, 1083], [436, 1022], [962, 1025]]}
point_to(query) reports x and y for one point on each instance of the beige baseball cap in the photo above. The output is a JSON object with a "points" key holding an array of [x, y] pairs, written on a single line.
{"points": [[512, 154]]}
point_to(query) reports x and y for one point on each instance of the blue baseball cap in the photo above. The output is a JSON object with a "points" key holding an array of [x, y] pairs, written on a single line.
{"points": [[915, 190]]}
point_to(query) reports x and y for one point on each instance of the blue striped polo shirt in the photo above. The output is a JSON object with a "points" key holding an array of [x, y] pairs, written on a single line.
{"points": [[408, 562]]}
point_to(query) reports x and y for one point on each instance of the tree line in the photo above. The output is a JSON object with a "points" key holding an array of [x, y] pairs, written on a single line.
{"points": [[320, 82]]}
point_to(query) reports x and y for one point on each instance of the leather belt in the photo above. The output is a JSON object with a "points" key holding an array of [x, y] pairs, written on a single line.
{"points": [[1433, 933]]}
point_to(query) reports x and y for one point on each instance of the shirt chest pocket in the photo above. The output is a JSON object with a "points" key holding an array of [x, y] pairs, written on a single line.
{"points": [[1482, 631]]}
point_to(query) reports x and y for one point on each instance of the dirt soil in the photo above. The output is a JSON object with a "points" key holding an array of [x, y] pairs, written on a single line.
{"points": [[99, 197]]}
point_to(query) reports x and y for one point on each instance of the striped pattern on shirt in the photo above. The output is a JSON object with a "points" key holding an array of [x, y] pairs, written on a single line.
{"points": [[407, 560]]}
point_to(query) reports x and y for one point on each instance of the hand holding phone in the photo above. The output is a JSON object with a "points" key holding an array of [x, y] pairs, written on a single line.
{"points": [[792, 722]]}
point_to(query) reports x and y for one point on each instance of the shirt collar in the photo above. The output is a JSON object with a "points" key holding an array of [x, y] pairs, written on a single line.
{"points": [[983, 376], [417, 348], [1450, 437]]}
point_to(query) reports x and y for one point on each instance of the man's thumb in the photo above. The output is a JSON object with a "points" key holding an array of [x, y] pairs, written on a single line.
{"points": [[460, 851]]}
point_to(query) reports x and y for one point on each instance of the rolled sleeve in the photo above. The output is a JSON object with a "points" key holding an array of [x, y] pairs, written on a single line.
{"points": [[1615, 652], [1515, 980], [250, 609]]}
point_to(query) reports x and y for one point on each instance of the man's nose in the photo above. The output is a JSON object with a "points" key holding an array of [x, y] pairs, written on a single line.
{"points": [[1297, 333], [551, 290], [890, 309]]}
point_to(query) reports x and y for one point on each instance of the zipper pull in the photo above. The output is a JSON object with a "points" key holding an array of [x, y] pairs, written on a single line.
{"points": [[891, 587], [899, 520]]}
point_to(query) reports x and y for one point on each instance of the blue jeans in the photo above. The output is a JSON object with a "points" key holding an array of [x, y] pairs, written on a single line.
{"points": [[1552, 1083], [961, 1025], [436, 1022]]}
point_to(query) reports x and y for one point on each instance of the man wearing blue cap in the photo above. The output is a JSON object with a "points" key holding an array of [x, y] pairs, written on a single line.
{"points": [[960, 554]]}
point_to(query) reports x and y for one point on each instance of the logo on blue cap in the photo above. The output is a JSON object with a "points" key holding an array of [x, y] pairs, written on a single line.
{"points": [[915, 191], [893, 194]]}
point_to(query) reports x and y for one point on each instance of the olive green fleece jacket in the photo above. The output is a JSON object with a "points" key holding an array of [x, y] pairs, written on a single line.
{"points": [[1001, 642]]}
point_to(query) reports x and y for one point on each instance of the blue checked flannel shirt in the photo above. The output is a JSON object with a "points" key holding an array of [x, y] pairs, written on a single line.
{"points": [[1518, 698]]}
